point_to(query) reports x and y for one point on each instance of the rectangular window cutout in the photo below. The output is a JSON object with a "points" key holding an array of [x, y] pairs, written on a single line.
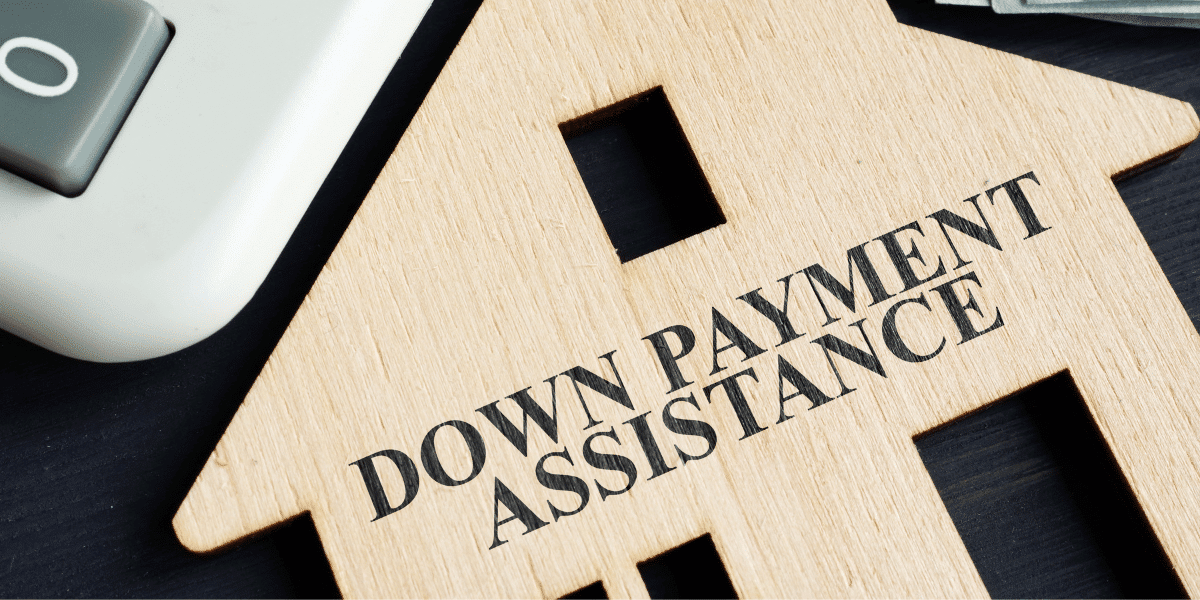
{"points": [[641, 173], [693, 570], [588, 592], [1041, 506]]}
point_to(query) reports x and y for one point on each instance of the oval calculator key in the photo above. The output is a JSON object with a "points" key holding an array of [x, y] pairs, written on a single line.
{"points": [[69, 73], [206, 173]]}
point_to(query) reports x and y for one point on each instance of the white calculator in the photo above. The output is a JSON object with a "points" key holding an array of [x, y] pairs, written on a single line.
{"points": [[156, 156]]}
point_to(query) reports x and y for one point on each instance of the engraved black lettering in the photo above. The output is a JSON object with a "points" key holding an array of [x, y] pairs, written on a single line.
{"points": [[562, 483], [803, 387], [892, 339], [903, 260], [548, 422], [776, 314], [737, 398], [1024, 210], [982, 233], [613, 391], [379, 499], [609, 462], [649, 445], [958, 309], [844, 293], [433, 464], [863, 358], [736, 338], [668, 358], [689, 427], [520, 512]]}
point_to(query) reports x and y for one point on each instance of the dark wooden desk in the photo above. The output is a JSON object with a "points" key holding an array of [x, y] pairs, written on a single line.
{"points": [[94, 459]]}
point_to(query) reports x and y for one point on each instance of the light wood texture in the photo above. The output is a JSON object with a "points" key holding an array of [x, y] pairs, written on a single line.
{"points": [[478, 267]]}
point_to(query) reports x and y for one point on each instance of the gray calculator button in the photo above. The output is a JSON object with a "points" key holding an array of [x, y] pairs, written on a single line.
{"points": [[70, 71]]}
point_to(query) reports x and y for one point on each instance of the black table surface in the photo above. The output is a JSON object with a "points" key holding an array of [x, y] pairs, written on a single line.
{"points": [[95, 459]]}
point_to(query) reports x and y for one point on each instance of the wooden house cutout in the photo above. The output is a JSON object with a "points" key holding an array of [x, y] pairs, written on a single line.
{"points": [[914, 227]]}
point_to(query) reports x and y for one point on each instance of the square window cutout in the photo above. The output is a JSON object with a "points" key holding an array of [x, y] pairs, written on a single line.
{"points": [[642, 175]]}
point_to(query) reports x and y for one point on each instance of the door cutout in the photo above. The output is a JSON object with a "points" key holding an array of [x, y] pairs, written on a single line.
{"points": [[588, 592], [693, 570], [304, 558], [1040, 503]]}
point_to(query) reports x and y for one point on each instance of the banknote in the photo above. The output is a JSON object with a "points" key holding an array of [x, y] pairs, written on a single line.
{"points": [[1184, 9], [1163, 13], [1147, 20], [1109, 3]]}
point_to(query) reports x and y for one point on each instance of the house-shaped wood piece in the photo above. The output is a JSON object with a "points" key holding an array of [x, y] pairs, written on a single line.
{"points": [[479, 398]]}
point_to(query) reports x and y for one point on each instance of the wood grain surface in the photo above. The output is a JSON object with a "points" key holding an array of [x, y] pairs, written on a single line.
{"points": [[478, 279], [97, 458]]}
